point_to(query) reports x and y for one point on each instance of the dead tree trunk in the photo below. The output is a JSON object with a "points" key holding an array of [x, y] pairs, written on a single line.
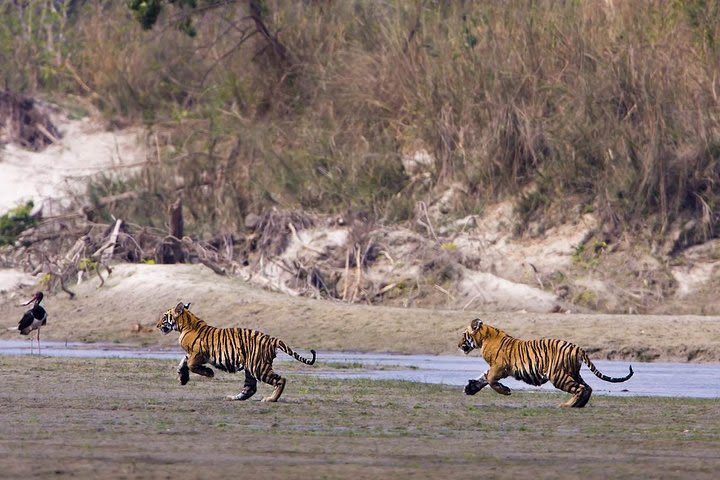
{"points": [[171, 250], [176, 219]]}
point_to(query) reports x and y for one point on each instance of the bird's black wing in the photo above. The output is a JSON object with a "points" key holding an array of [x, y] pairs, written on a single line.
{"points": [[26, 320]]}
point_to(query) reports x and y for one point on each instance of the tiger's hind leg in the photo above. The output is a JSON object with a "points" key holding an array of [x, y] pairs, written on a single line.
{"points": [[249, 388], [500, 388], [276, 381], [583, 397], [277, 391], [576, 386], [493, 377]]}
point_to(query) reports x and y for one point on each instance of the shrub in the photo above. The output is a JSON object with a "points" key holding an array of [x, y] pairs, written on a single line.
{"points": [[14, 222], [311, 104]]}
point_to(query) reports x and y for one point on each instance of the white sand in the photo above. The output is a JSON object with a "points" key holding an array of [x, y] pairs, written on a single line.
{"points": [[85, 149]]}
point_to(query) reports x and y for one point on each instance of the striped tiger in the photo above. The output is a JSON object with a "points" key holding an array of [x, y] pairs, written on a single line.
{"points": [[229, 349], [532, 361]]}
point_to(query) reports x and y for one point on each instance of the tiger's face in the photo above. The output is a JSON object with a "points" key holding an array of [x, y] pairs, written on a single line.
{"points": [[168, 321], [470, 339]]}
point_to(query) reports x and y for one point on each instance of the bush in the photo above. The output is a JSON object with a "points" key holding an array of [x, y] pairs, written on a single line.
{"points": [[14, 222], [607, 105]]}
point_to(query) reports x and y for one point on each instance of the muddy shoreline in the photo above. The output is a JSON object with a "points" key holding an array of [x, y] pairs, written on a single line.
{"points": [[127, 307]]}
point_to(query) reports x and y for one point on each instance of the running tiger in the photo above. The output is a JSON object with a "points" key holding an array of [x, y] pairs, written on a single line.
{"points": [[229, 349], [532, 361]]}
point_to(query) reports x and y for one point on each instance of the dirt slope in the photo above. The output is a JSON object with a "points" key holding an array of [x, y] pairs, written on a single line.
{"points": [[127, 307]]}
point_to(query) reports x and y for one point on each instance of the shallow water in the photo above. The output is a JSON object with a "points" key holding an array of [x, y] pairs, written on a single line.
{"points": [[650, 379]]}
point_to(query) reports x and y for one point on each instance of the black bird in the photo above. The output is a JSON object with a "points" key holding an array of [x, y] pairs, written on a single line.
{"points": [[33, 319]]}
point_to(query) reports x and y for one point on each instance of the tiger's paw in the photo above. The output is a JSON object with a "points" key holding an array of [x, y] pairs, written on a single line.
{"points": [[246, 393], [184, 375], [473, 387], [500, 388], [277, 391], [242, 396]]}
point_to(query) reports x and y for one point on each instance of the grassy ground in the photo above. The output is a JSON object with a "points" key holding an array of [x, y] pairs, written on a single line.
{"points": [[111, 418]]}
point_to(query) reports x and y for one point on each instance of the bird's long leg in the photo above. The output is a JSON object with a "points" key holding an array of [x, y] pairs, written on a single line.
{"points": [[39, 341], [31, 343]]}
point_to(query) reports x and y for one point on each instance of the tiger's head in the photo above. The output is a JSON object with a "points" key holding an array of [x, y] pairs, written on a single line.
{"points": [[168, 322], [471, 338]]}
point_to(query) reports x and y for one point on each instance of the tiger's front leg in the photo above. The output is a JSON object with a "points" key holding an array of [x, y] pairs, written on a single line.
{"points": [[493, 379], [474, 386], [183, 371], [195, 364], [202, 370]]}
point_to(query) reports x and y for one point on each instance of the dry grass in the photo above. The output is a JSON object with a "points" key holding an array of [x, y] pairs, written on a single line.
{"points": [[586, 102]]}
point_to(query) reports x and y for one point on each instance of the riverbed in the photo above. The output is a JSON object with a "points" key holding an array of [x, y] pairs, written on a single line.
{"points": [[650, 379]]}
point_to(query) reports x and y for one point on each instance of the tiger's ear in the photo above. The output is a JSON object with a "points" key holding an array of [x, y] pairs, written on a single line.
{"points": [[187, 306], [180, 308], [476, 324]]}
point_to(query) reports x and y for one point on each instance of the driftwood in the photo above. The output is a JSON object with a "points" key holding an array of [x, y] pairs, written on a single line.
{"points": [[71, 247], [208, 257], [109, 247], [273, 229]]}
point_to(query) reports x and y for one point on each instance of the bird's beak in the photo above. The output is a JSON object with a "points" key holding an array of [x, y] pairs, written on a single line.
{"points": [[30, 301]]}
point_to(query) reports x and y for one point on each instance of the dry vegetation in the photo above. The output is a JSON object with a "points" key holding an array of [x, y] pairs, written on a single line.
{"points": [[313, 104], [374, 110]]}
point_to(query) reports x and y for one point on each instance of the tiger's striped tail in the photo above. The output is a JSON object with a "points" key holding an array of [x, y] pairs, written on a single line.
{"points": [[601, 375], [281, 345]]}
